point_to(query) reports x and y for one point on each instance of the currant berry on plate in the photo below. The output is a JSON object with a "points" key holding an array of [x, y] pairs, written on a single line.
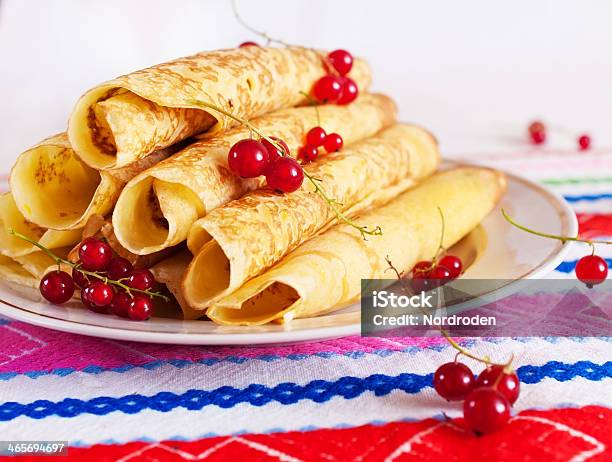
{"points": [[97, 296], [308, 153], [80, 279], [248, 158], [485, 410], [285, 175], [349, 91], [120, 304], [141, 308], [508, 384], [248, 44], [274, 152], [453, 264], [592, 270], [453, 381], [141, 279], [315, 136], [57, 287], [119, 268], [94, 254]]}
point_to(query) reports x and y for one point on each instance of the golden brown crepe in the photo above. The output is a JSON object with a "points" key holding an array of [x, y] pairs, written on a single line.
{"points": [[157, 208], [125, 119], [55, 189], [12, 246], [240, 240], [326, 272]]}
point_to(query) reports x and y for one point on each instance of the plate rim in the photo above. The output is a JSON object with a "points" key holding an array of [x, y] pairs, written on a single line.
{"points": [[8, 309]]}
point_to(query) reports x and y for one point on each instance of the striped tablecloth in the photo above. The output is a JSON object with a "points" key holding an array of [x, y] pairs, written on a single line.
{"points": [[355, 399]]}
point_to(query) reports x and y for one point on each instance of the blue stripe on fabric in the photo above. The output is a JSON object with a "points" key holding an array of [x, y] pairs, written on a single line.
{"points": [[318, 391], [569, 266], [588, 197]]}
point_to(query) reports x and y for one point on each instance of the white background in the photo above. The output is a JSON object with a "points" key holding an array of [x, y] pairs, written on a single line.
{"points": [[473, 71]]}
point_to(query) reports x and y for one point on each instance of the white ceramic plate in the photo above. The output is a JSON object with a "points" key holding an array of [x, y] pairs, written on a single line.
{"points": [[497, 251]]}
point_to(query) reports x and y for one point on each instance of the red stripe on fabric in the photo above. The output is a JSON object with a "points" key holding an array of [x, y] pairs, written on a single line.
{"points": [[594, 225], [552, 435]]}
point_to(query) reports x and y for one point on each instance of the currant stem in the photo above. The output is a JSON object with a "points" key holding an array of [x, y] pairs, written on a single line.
{"points": [[105, 279], [255, 31], [563, 239], [363, 230], [446, 335], [314, 103]]}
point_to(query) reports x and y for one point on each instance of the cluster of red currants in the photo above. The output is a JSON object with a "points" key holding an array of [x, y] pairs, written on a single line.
{"points": [[250, 158], [537, 135], [427, 275], [99, 294], [336, 87], [316, 138], [486, 399]]}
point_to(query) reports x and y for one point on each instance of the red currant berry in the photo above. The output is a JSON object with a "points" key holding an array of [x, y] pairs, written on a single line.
{"points": [[440, 275], [94, 254], [141, 308], [538, 137], [141, 279], [308, 153], [80, 279], [119, 268], [248, 44], [453, 264], [97, 295], [341, 60], [57, 287], [508, 385], [327, 89], [592, 270], [285, 175], [485, 410], [536, 127], [420, 282], [453, 381], [274, 152], [422, 267], [349, 91], [584, 142], [248, 158], [315, 136], [333, 142], [120, 304]]}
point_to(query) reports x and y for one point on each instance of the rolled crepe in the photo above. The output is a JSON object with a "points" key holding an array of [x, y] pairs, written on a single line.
{"points": [[157, 208], [126, 119], [240, 240], [170, 272], [54, 189], [326, 272], [12, 246]]}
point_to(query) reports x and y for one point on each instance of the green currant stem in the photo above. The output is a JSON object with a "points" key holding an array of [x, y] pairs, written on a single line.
{"points": [[255, 31], [105, 279], [314, 103], [563, 239], [363, 230]]}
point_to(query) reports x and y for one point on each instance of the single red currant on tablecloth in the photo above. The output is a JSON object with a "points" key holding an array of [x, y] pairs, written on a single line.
{"points": [[94, 254], [248, 44], [274, 152], [315, 136], [592, 270], [141, 308], [141, 279], [453, 264], [327, 89], [341, 60], [453, 381], [119, 268], [57, 287], [349, 91], [120, 304], [537, 132], [308, 153], [584, 142], [285, 175], [333, 142], [248, 158], [97, 296], [508, 384], [485, 410]]}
